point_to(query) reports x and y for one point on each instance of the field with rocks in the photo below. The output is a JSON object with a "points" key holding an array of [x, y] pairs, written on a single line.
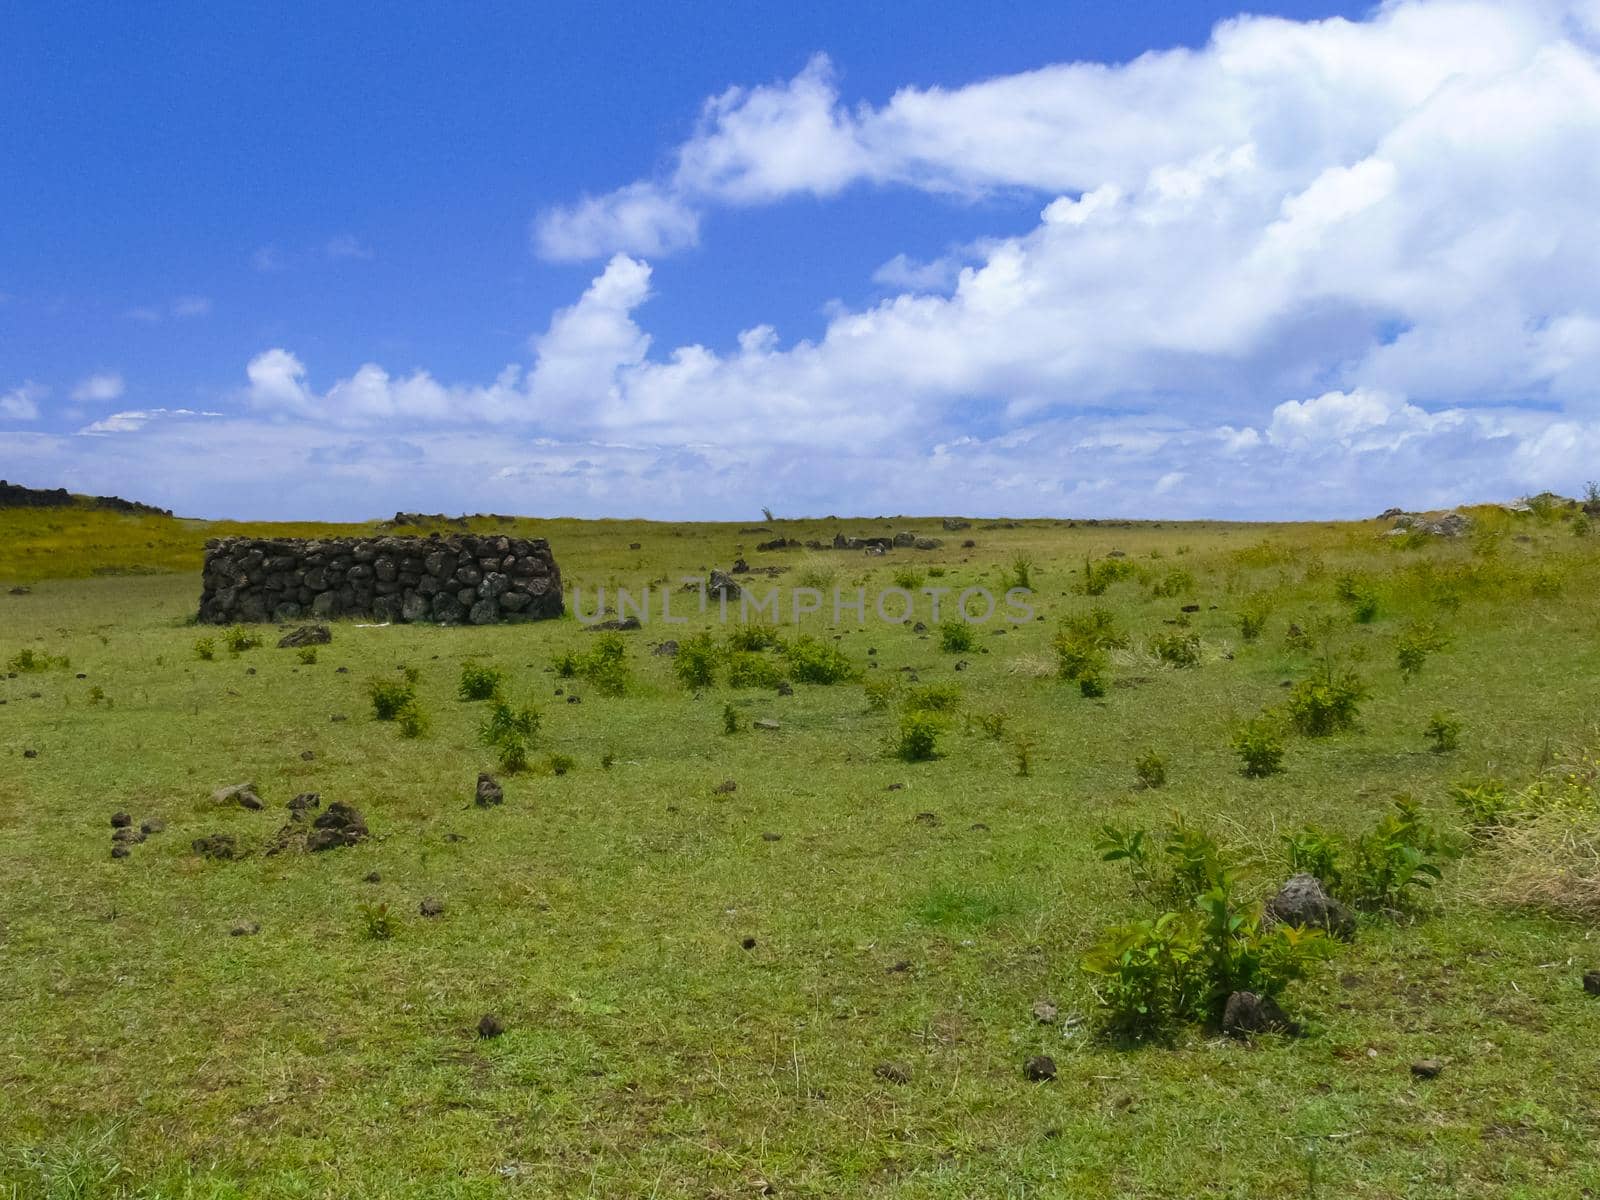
{"points": [[1254, 861]]}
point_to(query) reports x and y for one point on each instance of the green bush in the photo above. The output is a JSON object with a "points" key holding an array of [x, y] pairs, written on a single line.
{"points": [[1096, 628], [932, 697], [1252, 619], [811, 661], [238, 640], [307, 656], [560, 764], [1150, 770], [1020, 574], [1185, 863], [1326, 704], [1177, 648], [991, 724], [1312, 851], [730, 719], [1022, 754], [205, 650], [604, 664], [511, 754], [747, 669], [377, 922], [1173, 584], [391, 696], [908, 578], [1098, 576], [1444, 731], [1092, 684], [754, 637], [881, 692], [411, 720], [479, 682], [956, 636], [1396, 860], [503, 721], [1416, 642], [918, 739], [1259, 745], [1485, 804], [697, 660], [25, 662]]}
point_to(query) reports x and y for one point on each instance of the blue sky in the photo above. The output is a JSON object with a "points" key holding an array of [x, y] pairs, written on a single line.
{"points": [[687, 260]]}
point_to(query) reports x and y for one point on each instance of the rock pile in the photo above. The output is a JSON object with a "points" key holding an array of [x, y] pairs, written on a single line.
{"points": [[449, 580]]}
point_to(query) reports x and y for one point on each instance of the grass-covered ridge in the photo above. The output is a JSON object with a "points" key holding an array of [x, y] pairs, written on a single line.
{"points": [[824, 979]]}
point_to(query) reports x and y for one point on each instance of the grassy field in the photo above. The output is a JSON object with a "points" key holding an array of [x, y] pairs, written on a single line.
{"points": [[822, 981]]}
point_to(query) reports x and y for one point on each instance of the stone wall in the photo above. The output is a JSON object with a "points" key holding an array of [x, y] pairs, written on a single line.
{"points": [[451, 580]]}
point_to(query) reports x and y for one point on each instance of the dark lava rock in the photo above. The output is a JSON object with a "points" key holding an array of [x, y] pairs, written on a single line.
{"points": [[30, 754], [489, 792], [785, 688], [1591, 982], [1303, 903], [726, 788], [341, 825], [308, 756], [666, 649], [127, 836], [574, 699], [245, 929], [490, 1026], [1040, 1068], [772, 837], [893, 1072], [373, 877], [219, 846], [153, 825], [119, 852], [304, 803], [1427, 1068], [926, 818], [748, 943], [431, 906], [1247, 1014], [120, 820], [242, 794], [306, 635], [1045, 1012]]}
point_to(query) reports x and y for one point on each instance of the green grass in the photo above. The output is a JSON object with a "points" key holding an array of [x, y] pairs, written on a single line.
{"points": [[604, 913]]}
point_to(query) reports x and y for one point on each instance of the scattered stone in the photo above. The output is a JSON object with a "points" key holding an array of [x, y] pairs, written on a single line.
{"points": [[615, 625], [372, 877], [666, 649], [431, 906], [152, 825], [1045, 1012], [634, 545], [1040, 1068], [978, 827], [337, 718], [308, 756], [490, 1026], [721, 585], [926, 818], [30, 754], [1190, 608], [898, 968], [765, 723], [120, 820], [1247, 1014], [1427, 1068], [245, 929], [21, 591], [1303, 903], [893, 1072], [785, 688], [489, 792], [119, 851], [222, 847], [455, 837], [772, 837], [574, 699], [951, 524], [306, 635], [919, 627], [1591, 982], [304, 803], [242, 794], [126, 836], [895, 787], [749, 943], [341, 825], [726, 788]]}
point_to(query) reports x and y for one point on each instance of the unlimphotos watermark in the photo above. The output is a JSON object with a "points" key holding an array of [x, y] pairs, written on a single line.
{"points": [[892, 605]]}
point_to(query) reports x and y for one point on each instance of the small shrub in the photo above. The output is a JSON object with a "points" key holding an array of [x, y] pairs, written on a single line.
{"points": [[1326, 704], [730, 719], [1311, 851], [747, 669], [956, 636], [1415, 643], [1252, 620], [696, 662], [566, 665], [932, 697], [753, 637], [1396, 860], [377, 922], [918, 739], [238, 640], [504, 721], [608, 760], [390, 696], [816, 572], [1582, 526], [307, 656], [1020, 574], [1485, 804], [97, 695], [1022, 755], [991, 724], [1098, 576], [604, 664], [811, 661], [1177, 649], [1173, 584], [1150, 770], [1096, 628], [881, 693], [1092, 684], [411, 720], [909, 578], [1187, 862], [205, 650], [511, 753], [1259, 745], [560, 764], [1364, 608], [479, 682], [1444, 731]]}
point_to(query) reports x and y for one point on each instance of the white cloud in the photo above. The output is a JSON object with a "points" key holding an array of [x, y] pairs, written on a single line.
{"points": [[135, 420], [637, 219], [346, 246], [99, 389], [22, 403]]}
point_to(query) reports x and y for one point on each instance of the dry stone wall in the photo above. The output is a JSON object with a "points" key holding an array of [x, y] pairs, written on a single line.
{"points": [[451, 580]]}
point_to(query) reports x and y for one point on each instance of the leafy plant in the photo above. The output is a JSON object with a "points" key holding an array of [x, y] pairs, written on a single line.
{"points": [[307, 656], [1313, 851], [1444, 731], [560, 764], [1096, 627], [479, 682], [1177, 648], [908, 578], [881, 693], [991, 724], [1172, 584], [1020, 574], [390, 697], [1415, 643], [1485, 803], [239, 639], [1259, 745], [205, 649], [1252, 619], [747, 669], [696, 662], [1326, 703], [1150, 769], [918, 739], [412, 721], [811, 661], [604, 664], [753, 637], [1397, 859], [1098, 576], [932, 697], [1022, 754], [956, 636], [730, 719], [377, 922]]}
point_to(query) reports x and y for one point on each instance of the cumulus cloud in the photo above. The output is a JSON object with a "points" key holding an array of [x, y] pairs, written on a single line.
{"points": [[136, 419], [99, 389], [1303, 264], [21, 403]]}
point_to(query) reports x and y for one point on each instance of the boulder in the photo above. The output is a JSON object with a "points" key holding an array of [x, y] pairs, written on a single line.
{"points": [[1303, 903], [489, 791], [306, 635], [340, 825], [242, 794], [1248, 1014]]}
